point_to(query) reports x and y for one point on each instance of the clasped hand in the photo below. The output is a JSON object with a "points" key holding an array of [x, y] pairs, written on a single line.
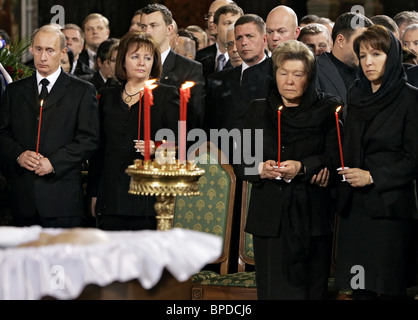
{"points": [[289, 170], [35, 162]]}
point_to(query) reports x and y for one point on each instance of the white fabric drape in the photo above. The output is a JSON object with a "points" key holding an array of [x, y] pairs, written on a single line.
{"points": [[63, 270]]}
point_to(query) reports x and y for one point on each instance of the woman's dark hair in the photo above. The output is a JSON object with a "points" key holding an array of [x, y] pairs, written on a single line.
{"points": [[376, 36], [132, 41]]}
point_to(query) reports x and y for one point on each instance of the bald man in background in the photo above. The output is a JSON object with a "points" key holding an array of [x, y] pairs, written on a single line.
{"points": [[281, 25]]}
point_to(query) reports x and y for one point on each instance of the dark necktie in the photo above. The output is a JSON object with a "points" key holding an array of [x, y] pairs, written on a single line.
{"points": [[221, 62], [44, 90]]}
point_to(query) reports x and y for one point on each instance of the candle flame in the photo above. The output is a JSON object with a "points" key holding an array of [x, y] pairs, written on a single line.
{"points": [[280, 108], [148, 83], [187, 84], [338, 109], [42, 103]]}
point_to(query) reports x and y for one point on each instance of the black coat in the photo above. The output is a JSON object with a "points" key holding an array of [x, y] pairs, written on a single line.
{"points": [[69, 136], [228, 97], [380, 135], [412, 74], [119, 127], [309, 135]]}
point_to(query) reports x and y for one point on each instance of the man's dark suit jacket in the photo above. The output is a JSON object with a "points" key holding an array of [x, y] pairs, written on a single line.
{"points": [[83, 65], [228, 97], [412, 74], [207, 57], [176, 71], [69, 136], [329, 80]]}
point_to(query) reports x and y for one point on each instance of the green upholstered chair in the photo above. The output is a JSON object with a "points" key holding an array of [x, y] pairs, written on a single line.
{"points": [[234, 286], [212, 211]]}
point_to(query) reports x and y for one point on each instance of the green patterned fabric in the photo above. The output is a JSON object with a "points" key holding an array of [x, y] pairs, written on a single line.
{"points": [[240, 279], [204, 274], [248, 242], [207, 212]]}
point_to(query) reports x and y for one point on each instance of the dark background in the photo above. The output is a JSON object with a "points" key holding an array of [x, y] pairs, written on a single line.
{"points": [[187, 12]]}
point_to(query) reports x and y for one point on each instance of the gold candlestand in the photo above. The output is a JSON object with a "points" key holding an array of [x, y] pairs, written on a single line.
{"points": [[164, 178]]}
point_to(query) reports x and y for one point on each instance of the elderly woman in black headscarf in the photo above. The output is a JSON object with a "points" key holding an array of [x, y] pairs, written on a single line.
{"points": [[291, 218], [378, 202]]}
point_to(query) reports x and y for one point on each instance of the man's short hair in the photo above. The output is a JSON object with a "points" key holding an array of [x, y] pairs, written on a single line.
{"points": [[53, 28], [252, 18], [407, 17], [312, 29], [308, 19], [73, 26], [167, 15], [104, 48], [411, 27], [229, 8], [96, 16], [385, 21], [343, 24]]}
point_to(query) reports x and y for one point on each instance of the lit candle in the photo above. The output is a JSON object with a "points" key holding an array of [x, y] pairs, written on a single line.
{"points": [[148, 102], [279, 134], [339, 136], [184, 99], [39, 126], [139, 117]]}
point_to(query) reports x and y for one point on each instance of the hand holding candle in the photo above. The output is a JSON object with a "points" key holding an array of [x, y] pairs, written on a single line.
{"points": [[184, 99]]}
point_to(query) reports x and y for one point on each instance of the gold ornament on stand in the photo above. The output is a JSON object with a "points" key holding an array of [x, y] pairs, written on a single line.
{"points": [[165, 177]]}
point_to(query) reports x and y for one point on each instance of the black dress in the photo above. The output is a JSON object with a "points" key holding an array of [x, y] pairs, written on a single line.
{"points": [[291, 222], [376, 221], [119, 127]]}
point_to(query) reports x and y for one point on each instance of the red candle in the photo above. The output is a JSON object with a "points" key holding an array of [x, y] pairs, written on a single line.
{"points": [[339, 136], [148, 102], [39, 126], [139, 117], [184, 99], [279, 113]]}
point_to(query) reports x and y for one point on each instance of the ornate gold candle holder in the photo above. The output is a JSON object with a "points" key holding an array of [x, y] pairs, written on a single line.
{"points": [[165, 180]]}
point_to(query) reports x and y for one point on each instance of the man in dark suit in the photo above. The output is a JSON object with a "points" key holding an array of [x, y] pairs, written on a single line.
{"points": [[338, 69], [157, 20], [215, 57], [96, 30], [75, 42], [230, 92], [46, 185]]}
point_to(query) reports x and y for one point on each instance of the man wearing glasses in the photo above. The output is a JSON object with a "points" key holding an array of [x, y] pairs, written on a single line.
{"points": [[49, 125]]}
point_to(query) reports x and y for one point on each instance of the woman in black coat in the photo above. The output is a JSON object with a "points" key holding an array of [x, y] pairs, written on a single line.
{"points": [[138, 60], [291, 222], [378, 204]]}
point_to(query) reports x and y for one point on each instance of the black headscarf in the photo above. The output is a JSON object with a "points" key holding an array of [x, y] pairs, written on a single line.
{"points": [[304, 120], [360, 96]]}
